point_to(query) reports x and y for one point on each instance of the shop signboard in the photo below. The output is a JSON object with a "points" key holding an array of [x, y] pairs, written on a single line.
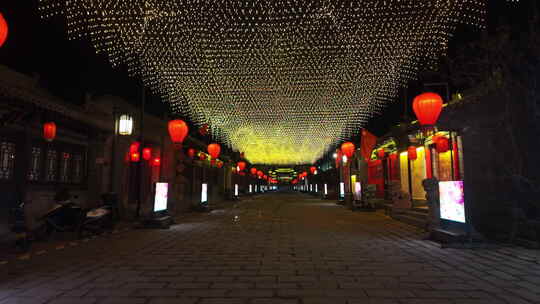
{"points": [[204, 193], [357, 191], [161, 196], [452, 201]]}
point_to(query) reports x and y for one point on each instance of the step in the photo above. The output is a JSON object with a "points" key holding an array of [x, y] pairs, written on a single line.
{"points": [[411, 220], [414, 213], [421, 209]]}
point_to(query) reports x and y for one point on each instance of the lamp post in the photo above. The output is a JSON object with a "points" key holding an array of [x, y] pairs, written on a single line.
{"points": [[123, 126]]}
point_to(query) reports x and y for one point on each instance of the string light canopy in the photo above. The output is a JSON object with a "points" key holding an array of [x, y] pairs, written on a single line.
{"points": [[281, 80]]}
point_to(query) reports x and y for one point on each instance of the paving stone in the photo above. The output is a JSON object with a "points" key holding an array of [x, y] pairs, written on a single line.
{"points": [[173, 301], [299, 251]]}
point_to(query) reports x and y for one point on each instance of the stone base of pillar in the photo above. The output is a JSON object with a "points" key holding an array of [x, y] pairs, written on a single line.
{"points": [[349, 200]]}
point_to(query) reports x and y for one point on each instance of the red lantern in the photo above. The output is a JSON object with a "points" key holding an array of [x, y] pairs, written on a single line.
{"points": [[178, 131], [241, 165], [393, 156], [191, 152], [156, 162], [265, 177], [213, 162], [134, 147], [260, 173], [49, 131], [214, 150], [339, 156], [202, 156], [313, 169], [348, 149], [428, 107], [253, 171], [366, 145], [203, 130], [442, 144], [3, 30], [147, 153], [220, 164], [381, 153], [411, 152], [135, 157]]}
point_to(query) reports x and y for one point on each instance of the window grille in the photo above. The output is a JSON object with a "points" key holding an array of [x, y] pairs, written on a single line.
{"points": [[51, 166], [35, 164], [7, 160], [65, 167]]}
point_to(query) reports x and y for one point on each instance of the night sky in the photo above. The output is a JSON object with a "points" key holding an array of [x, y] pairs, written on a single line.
{"points": [[69, 69]]}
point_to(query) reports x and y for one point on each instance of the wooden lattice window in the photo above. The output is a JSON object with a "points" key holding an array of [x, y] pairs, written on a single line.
{"points": [[35, 164], [77, 168], [51, 166], [65, 166], [7, 160]]}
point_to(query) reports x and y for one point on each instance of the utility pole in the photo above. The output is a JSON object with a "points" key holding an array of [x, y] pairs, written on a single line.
{"points": [[140, 173]]}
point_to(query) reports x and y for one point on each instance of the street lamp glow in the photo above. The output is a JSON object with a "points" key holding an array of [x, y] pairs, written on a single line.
{"points": [[125, 125]]}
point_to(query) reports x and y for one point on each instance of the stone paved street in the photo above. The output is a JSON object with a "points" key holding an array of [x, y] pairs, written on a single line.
{"points": [[277, 248]]}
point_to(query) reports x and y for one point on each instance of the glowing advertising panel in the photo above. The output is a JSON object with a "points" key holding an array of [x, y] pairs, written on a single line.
{"points": [[160, 199], [316, 188], [357, 191], [325, 189], [342, 190], [452, 201], [204, 193], [236, 190], [250, 188], [310, 187]]}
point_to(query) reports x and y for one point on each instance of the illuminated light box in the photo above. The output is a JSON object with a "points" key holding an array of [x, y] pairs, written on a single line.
{"points": [[316, 188], [236, 190], [357, 191], [161, 197], [310, 187], [204, 193], [342, 190], [250, 188], [452, 201], [325, 189]]}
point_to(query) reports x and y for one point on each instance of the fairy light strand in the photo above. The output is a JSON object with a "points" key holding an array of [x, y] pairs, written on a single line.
{"points": [[281, 80]]}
